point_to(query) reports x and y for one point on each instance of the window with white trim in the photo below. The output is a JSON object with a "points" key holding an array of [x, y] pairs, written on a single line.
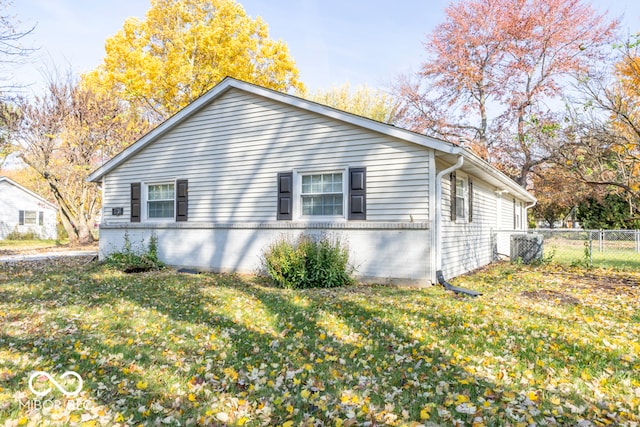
{"points": [[30, 217], [161, 201], [462, 198], [322, 194]]}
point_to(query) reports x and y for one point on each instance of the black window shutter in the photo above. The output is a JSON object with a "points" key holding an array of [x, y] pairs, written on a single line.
{"points": [[470, 201], [21, 217], [285, 196], [135, 201], [452, 178], [40, 218], [182, 199], [358, 193]]}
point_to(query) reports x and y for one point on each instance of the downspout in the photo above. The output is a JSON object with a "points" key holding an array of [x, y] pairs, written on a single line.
{"points": [[438, 220], [438, 232], [526, 210]]}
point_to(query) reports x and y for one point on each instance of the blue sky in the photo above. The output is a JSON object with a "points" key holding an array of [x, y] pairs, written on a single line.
{"points": [[332, 41]]}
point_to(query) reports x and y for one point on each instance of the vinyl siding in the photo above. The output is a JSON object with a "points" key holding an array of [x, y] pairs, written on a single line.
{"points": [[232, 149], [467, 246]]}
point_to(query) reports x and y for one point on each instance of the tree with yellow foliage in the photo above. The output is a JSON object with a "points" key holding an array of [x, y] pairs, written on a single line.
{"points": [[183, 48], [363, 101]]}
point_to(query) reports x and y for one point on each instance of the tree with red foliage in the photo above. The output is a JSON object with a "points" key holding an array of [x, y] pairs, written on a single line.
{"points": [[493, 69]]}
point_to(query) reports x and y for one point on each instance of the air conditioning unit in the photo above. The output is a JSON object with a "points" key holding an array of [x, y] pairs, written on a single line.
{"points": [[527, 248]]}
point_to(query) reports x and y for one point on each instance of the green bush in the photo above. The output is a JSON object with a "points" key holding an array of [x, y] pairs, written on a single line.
{"points": [[131, 261], [25, 235], [308, 262]]}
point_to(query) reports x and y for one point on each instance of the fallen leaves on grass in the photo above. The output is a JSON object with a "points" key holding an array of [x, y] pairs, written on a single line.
{"points": [[164, 348]]}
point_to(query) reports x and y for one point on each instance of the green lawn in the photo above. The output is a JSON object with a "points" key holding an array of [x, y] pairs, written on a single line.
{"points": [[542, 345], [21, 245], [618, 255]]}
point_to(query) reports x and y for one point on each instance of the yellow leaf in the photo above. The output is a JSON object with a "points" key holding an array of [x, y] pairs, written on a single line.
{"points": [[141, 385], [424, 413], [191, 397], [287, 424], [305, 393], [461, 398]]}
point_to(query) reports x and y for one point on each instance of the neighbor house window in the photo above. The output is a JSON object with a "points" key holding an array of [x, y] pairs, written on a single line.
{"points": [[322, 194], [161, 200], [30, 217]]}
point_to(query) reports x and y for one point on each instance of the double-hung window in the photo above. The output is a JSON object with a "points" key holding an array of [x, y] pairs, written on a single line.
{"points": [[161, 201], [332, 194], [322, 194], [461, 198], [30, 217]]}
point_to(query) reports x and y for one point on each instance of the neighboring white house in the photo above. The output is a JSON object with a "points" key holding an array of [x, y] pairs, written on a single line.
{"points": [[23, 211], [243, 165]]}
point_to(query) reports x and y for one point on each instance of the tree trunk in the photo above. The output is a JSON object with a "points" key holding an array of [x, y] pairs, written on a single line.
{"points": [[76, 226]]}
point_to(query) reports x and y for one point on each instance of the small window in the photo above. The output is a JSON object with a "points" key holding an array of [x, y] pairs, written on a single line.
{"points": [[161, 201], [461, 198], [30, 217], [322, 194], [517, 218]]}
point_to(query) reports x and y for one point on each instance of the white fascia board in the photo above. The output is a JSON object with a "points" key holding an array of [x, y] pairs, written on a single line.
{"points": [[363, 122], [161, 129], [31, 193], [509, 184], [292, 100], [344, 116]]}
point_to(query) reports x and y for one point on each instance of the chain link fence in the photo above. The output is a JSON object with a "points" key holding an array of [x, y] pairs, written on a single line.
{"points": [[589, 248]]}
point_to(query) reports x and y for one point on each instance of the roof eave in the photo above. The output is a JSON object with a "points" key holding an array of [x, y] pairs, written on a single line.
{"points": [[26, 190], [509, 184], [229, 83], [164, 127], [379, 127]]}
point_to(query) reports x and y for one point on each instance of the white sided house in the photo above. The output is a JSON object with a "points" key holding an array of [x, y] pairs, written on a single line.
{"points": [[23, 211], [242, 166]]}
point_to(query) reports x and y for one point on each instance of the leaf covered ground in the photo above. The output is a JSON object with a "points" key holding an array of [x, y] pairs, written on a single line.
{"points": [[542, 346]]}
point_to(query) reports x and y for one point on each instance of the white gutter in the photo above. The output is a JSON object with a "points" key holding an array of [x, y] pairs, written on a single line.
{"points": [[526, 211], [437, 225]]}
